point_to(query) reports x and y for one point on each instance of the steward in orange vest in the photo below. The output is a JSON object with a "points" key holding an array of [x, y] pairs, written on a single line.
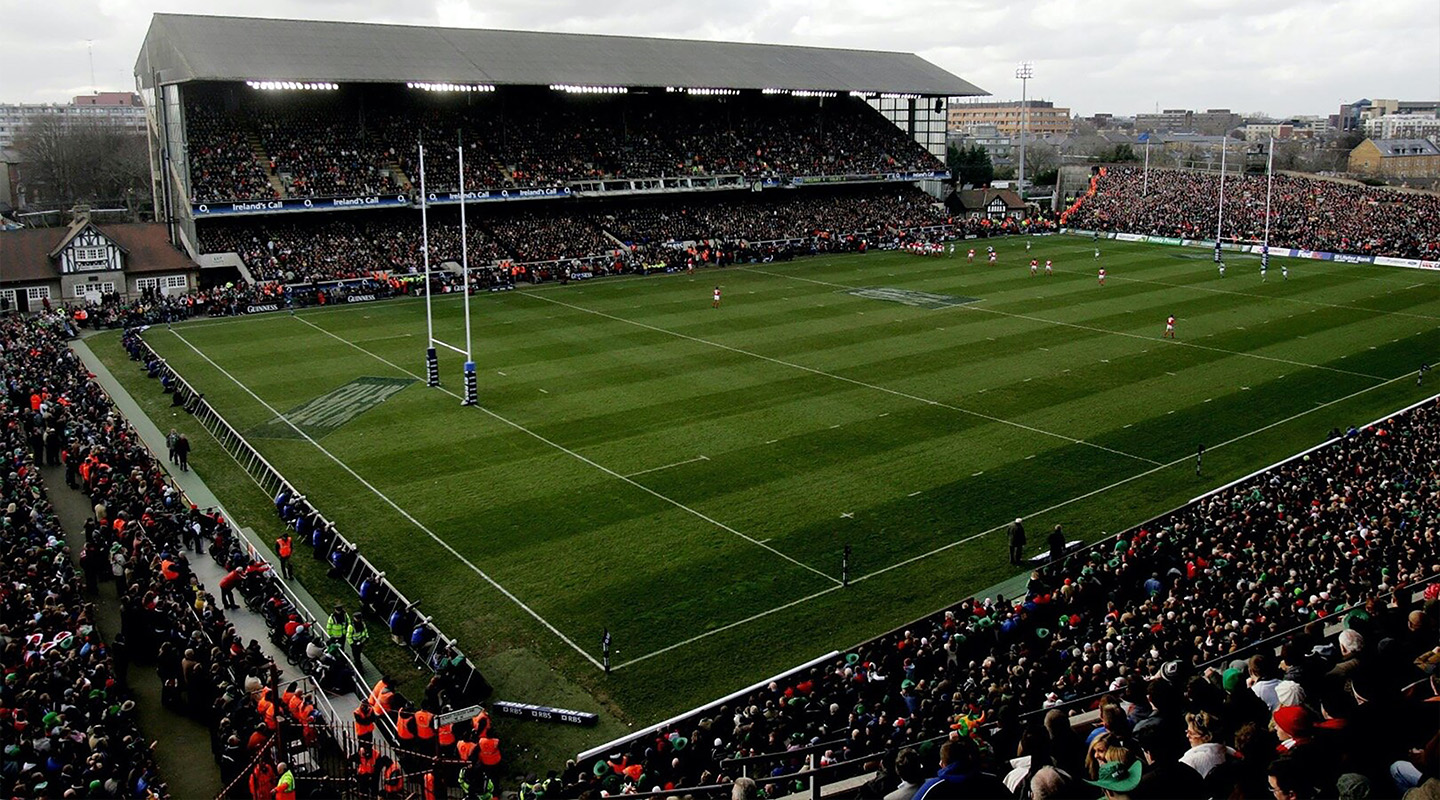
{"points": [[425, 725], [364, 721], [489, 751], [392, 778]]}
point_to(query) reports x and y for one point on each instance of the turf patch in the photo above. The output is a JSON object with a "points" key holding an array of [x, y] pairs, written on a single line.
{"points": [[911, 298], [331, 410]]}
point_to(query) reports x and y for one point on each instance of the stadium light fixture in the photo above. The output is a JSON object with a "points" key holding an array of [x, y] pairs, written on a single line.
{"points": [[570, 88], [801, 92], [285, 86], [449, 87], [899, 96], [707, 92]]}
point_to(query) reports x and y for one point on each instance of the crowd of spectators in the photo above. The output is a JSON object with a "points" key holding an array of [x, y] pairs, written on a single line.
{"points": [[359, 244], [1306, 213], [70, 726], [317, 152], [223, 163], [329, 146], [1198, 642], [70, 723]]}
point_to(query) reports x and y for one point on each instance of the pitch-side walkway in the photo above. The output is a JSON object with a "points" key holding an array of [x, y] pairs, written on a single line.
{"points": [[248, 624], [182, 744]]}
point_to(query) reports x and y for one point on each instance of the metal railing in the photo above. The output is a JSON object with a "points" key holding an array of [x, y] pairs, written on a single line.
{"points": [[1071, 704], [357, 568]]}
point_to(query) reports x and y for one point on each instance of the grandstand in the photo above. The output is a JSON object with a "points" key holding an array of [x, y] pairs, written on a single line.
{"points": [[257, 118], [1281, 628]]}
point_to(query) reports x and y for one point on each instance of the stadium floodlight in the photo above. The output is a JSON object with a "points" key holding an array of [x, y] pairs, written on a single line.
{"points": [[449, 87], [307, 86], [704, 92], [899, 96], [812, 93], [570, 88], [1024, 72]]}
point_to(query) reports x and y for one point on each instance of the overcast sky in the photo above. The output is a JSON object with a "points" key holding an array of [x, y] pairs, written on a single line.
{"points": [[1285, 57]]}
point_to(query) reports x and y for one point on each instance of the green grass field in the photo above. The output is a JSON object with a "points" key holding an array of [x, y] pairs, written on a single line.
{"points": [[688, 476]]}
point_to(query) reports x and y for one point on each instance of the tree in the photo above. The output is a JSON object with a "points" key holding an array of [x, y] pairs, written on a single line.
{"points": [[1040, 158], [82, 160], [970, 165], [1123, 153]]}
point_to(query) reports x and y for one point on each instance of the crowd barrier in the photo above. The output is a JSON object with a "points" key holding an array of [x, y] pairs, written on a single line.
{"points": [[813, 781], [362, 576]]}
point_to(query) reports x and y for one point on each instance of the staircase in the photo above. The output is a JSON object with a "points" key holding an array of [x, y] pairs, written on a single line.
{"points": [[399, 175], [263, 160]]}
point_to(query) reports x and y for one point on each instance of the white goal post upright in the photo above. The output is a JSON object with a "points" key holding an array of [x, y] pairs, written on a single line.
{"points": [[432, 361], [470, 389]]}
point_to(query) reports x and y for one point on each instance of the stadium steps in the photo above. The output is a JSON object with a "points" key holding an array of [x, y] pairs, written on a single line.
{"points": [[399, 175], [608, 235], [263, 159]]}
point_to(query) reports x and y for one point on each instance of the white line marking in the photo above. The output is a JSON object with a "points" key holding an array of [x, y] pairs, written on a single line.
{"points": [[1284, 299], [1123, 481], [833, 376], [977, 474], [384, 338], [501, 374], [1027, 458], [848, 515], [543, 391], [517, 426], [912, 494], [1172, 342], [668, 466], [833, 427], [1126, 425], [886, 414], [772, 441], [406, 514]]}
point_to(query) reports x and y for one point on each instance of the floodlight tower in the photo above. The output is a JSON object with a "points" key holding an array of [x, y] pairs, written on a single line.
{"points": [[1024, 72]]}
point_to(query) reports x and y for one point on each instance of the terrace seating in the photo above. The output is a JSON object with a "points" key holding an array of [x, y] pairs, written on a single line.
{"points": [[1307, 213], [1170, 632]]}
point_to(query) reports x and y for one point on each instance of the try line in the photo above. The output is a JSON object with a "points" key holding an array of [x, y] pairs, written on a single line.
{"points": [[517, 426], [406, 514]]}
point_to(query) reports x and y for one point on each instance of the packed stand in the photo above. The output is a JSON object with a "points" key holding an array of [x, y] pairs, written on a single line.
{"points": [[524, 138], [1169, 633], [317, 151], [1306, 213], [70, 727], [359, 244], [223, 165]]}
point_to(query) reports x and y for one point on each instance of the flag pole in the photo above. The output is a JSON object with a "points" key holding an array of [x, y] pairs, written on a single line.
{"points": [[1145, 188], [1269, 183], [1220, 213]]}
